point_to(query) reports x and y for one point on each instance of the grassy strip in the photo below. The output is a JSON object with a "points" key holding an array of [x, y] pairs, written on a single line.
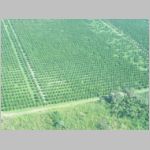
{"points": [[88, 116]]}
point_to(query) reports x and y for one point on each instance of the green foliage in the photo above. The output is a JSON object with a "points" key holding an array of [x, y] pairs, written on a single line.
{"points": [[131, 107], [103, 124], [58, 123]]}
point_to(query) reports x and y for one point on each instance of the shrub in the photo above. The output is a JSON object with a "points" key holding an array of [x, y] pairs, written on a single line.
{"points": [[132, 108], [103, 124], [57, 121], [129, 105]]}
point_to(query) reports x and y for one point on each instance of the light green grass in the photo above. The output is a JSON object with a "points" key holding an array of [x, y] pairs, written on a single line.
{"points": [[85, 116]]}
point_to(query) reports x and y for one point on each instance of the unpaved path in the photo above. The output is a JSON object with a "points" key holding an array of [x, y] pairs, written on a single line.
{"points": [[49, 107]]}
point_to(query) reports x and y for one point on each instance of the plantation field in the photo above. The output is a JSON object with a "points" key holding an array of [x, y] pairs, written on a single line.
{"points": [[55, 61]]}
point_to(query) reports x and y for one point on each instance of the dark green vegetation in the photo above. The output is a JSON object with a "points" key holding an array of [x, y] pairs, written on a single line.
{"points": [[136, 28], [55, 61]]}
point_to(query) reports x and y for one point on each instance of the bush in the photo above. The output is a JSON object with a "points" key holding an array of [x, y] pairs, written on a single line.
{"points": [[132, 108], [103, 124], [57, 121]]}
